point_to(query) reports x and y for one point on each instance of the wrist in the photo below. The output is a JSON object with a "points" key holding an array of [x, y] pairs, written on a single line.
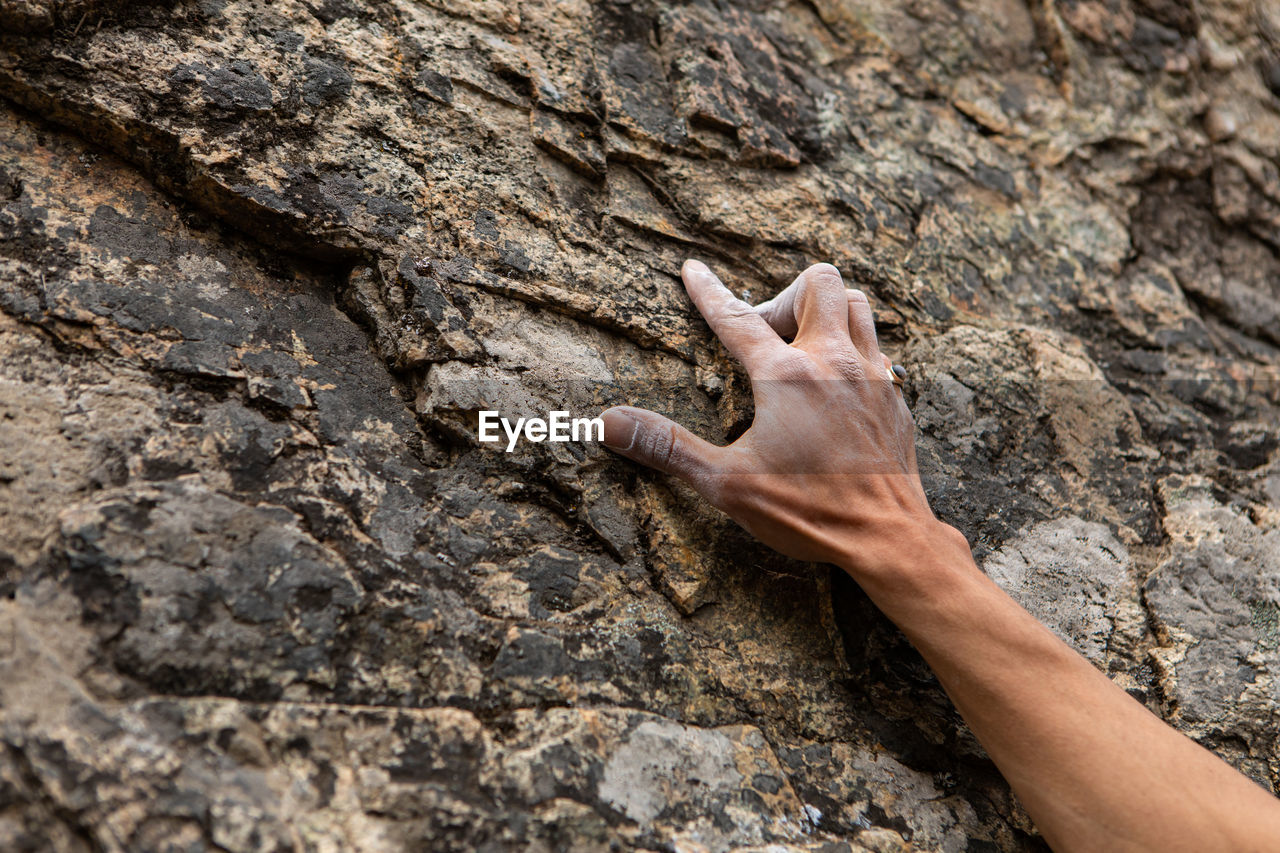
{"points": [[908, 556]]}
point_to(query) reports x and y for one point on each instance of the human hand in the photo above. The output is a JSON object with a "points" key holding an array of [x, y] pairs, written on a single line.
{"points": [[827, 471]]}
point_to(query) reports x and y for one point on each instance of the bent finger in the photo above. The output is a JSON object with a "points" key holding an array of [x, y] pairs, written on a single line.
{"points": [[821, 307], [862, 326], [743, 332], [661, 443], [780, 311], [813, 295]]}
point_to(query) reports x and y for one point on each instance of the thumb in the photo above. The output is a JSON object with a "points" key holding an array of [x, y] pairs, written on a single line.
{"points": [[650, 439]]}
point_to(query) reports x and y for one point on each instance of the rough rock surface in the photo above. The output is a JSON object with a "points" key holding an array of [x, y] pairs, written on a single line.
{"points": [[261, 263]]}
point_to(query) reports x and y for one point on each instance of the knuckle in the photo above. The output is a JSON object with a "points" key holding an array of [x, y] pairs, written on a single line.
{"points": [[824, 277], [848, 364], [823, 272], [658, 445]]}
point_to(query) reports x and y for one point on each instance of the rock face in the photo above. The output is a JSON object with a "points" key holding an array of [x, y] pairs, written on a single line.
{"points": [[262, 263]]}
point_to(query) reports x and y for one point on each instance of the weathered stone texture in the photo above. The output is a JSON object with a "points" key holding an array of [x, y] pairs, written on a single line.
{"points": [[261, 263]]}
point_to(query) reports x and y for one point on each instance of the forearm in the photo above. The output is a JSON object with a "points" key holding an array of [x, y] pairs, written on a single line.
{"points": [[1095, 770]]}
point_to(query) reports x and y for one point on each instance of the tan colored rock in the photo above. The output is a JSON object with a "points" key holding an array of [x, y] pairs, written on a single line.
{"points": [[1220, 124]]}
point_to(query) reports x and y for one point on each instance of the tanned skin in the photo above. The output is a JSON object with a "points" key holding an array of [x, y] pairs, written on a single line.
{"points": [[827, 472]]}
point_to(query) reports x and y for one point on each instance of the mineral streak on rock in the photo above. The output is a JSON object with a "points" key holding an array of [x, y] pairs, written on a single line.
{"points": [[262, 263]]}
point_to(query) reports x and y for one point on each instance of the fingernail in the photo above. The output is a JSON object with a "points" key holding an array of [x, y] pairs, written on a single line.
{"points": [[696, 266], [619, 430]]}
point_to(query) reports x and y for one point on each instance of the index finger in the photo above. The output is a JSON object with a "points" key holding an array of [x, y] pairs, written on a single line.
{"points": [[743, 332]]}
